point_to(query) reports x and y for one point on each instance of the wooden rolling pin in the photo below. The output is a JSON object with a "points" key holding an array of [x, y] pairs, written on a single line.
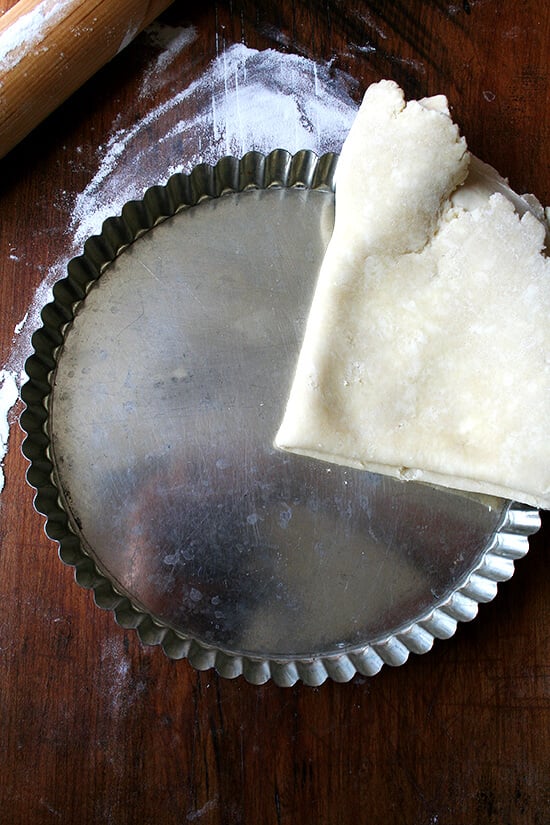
{"points": [[49, 48]]}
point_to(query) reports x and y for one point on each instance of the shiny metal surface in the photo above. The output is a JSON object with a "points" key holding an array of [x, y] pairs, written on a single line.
{"points": [[168, 388]]}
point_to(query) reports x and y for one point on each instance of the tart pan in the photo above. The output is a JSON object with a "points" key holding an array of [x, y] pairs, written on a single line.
{"points": [[155, 388]]}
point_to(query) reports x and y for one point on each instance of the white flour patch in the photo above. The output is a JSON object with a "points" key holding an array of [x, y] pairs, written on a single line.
{"points": [[18, 327], [116, 680], [27, 32], [371, 21], [12, 374], [416, 65], [367, 48], [172, 40], [247, 99], [8, 396]]}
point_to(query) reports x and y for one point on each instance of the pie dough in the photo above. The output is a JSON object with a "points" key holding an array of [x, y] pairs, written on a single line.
{"points": [[426, 354]]}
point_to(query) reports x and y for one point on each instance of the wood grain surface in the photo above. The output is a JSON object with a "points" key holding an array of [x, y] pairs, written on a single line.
{"points": [[97, 728]]}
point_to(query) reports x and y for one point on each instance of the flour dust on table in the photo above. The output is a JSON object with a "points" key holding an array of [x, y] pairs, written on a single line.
{"points": [[246, 100]]}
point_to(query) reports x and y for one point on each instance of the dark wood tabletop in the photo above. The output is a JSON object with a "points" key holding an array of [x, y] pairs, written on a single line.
{"points": [[96, 727]]}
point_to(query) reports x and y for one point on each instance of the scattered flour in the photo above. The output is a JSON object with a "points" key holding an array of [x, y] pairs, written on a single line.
{"points": [[172, 40], [247, 99], [8, 396], [118, 685]]}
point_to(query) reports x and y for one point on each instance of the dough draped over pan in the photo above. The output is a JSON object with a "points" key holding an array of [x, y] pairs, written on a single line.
{"points": [[426, 354]]}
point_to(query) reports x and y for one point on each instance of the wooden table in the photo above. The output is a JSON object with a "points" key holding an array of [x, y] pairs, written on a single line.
{"points": [[97, 728]]}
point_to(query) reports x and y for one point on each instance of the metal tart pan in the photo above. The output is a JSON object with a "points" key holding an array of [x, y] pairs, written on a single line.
{"points": [[156, 385]]}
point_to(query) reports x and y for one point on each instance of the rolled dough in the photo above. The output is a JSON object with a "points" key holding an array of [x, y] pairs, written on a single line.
{"points": [[426, 354]]}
